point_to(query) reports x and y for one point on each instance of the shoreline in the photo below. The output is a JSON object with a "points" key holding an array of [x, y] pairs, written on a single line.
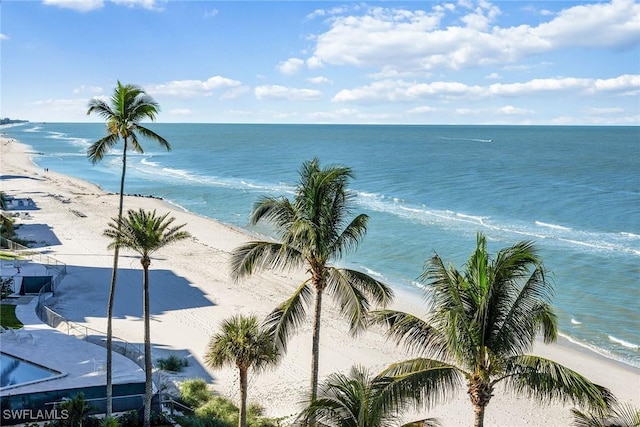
{"points": [[204, 297]]}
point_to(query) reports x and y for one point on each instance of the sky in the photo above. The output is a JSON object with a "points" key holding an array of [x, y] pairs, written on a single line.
{"points": [[379, 62]]}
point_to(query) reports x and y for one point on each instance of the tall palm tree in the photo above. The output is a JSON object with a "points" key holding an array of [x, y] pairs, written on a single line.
{"points": [[145, 233], [619, 415], [482, 322], [314, 230], [359, 400], [129, 105], [245, 344]]}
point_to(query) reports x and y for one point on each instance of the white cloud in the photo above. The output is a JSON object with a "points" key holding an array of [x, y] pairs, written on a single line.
{"points": [[88, 89], [89, 5], [400, 90], [493, 76], [422, 110], [192, 88], [180, 112], [411, 41], [625, 85], [291, 66], [145, 4], [509, 110], [276, 92], [211, 13], [608, 110], [595, 25], [79, 105], [4, 37], [319, 80], [336, 115], [77, 5]]}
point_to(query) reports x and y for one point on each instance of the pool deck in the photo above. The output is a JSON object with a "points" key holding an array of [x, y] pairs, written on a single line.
{"points": [[81, 363]]}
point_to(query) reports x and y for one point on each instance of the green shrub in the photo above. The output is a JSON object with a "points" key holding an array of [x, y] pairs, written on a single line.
{"points": [[173, 363], [129, 419], [219, 407], [109, 422], [194, 392]]}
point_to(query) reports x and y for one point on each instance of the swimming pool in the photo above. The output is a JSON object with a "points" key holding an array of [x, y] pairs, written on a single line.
{"points": [[15, 371]]}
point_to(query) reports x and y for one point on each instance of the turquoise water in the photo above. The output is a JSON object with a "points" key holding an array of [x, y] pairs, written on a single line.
{"points": [[575, 191], [15, 371]]}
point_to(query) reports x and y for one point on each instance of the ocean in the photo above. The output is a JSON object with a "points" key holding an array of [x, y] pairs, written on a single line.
{"points": [[574, 191]]}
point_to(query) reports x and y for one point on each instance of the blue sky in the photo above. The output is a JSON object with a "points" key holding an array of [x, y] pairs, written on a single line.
{"points": [[414, 62]]}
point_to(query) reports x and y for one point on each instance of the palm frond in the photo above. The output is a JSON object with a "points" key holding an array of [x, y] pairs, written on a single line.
{"points": [[277, 211], [525, 311], [101, 108], [149, 134], [254, 256], [423, 381], [546, 380], [144, 232], [242, 342], [285, 320], [453, 309], [98, 149], [619, 415], [411, 331], [350, 237], [354, 291]]}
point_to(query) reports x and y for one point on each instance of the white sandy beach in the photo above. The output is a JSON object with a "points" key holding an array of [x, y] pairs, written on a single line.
{"points": [[191, 292]]}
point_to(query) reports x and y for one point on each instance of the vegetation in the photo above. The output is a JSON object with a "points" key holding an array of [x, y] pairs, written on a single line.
{"points": [[216, 411], [129, 106], [314, 230], [8, 317], [6, 222], [194, 392], [619, 415], [173, 363], [8, 256], [76, 409], [7, 121], [483, 321], [6, 287], [245, 344], [145, 233], [358, 400]]}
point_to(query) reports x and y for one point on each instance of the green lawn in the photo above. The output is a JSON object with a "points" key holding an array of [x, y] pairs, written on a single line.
{"points": [[8, 317]]}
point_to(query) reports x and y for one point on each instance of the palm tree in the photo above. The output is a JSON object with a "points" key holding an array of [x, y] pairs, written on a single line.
{"points": [[129, 105], [6, 222], [314, 230], [245, 344], [359, 400], [145, 233], [482, 322], [620, 415]]}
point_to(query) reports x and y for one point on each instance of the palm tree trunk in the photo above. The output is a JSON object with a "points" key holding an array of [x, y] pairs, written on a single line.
{"points": [[480, 392], [315, 347], [112, 290], [242, 421], [148, 385], [479, 416]]}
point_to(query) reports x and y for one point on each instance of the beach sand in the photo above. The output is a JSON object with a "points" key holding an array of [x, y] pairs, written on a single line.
{"points": [[191, 293]]}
